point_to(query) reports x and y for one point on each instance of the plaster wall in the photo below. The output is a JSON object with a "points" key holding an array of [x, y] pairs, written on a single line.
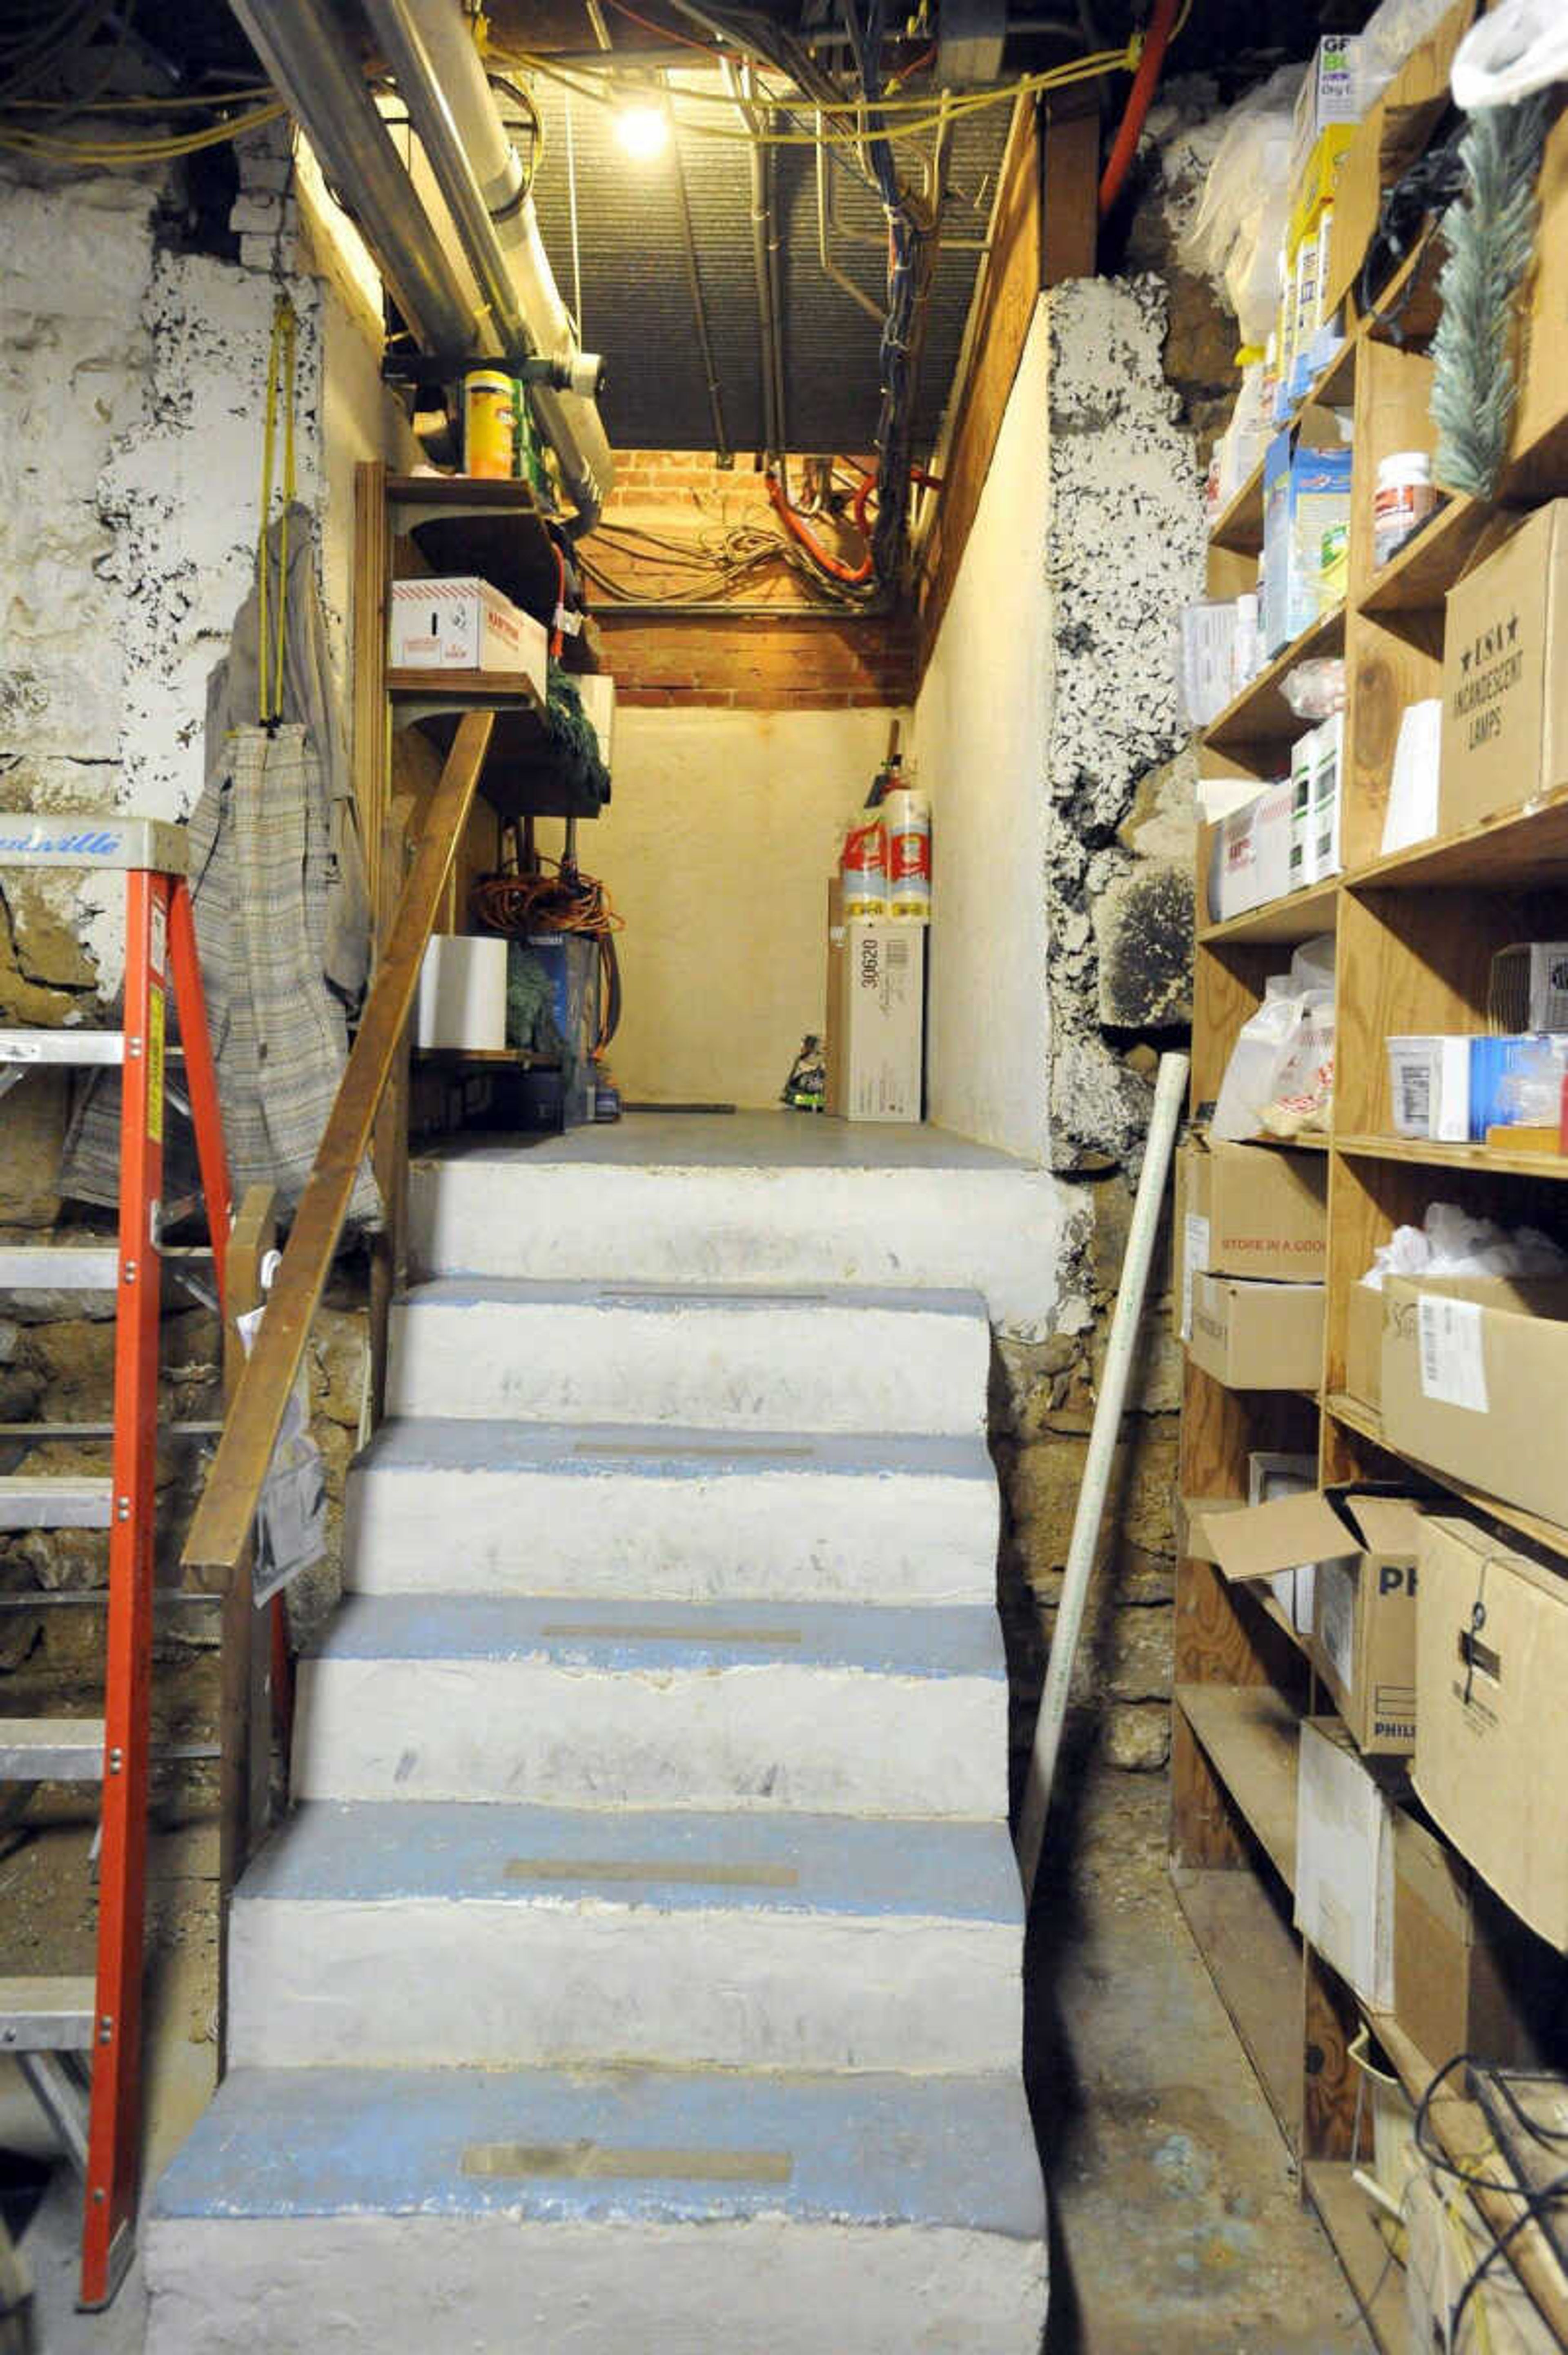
{"points": [[978, 745], [715, 848]]}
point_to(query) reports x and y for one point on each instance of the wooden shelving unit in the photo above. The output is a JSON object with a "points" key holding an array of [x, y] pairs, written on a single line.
{"points": [[1415, 934]]}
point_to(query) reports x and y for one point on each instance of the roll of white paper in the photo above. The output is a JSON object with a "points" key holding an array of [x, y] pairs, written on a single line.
{"points": [[463, 994]]}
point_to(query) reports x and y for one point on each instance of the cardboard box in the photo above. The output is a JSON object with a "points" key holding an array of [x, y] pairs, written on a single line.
{"points": [[1364, 1344], [464, 625], [1330, 93], [881, 1014], [1316, 188], [1505, 675], [1271, 1473], [1351, 1553], [833, 1003], [1257, 1336], [1328, 761], [1307, 492], [1245, 1209], [1473, 1369], [1344, 1861], [1468, 1977], [1363, 1624], [1397, 129], [1491, 1743], [1429, 1086], [1516, 1083]]}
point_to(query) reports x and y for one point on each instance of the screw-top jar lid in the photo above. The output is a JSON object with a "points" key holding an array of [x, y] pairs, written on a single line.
{"points": [[1404, 467]]}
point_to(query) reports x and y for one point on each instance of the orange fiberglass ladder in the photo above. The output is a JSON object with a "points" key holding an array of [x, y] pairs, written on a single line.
{"points": [[78, 2040]]}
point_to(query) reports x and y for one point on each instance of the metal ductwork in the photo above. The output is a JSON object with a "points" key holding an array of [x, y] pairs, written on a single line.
{"points": [[443, 82], [442, 79]]}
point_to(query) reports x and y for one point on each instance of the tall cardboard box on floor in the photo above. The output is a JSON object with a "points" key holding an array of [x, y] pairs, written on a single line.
{"points": [[1491, 1731], [833, 1015], [880, 1035]]}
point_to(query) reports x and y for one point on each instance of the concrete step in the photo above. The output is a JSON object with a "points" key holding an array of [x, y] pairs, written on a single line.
{"points": [[453, 1505], [849, 1709], [408, 1935], [817, 1202], [729, 1358], [403, 2212]]}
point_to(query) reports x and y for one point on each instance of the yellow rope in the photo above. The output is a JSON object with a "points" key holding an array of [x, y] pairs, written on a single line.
{"points": [[282, 356]]}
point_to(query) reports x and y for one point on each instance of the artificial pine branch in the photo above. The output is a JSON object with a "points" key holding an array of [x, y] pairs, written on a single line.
{"points": [[1490, 234]]}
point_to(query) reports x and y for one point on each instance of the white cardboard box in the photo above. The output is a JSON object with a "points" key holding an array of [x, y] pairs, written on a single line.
{"points": [[1344, 1861], [882, 1019], [462, 624], [462, 999], [596, 689]]}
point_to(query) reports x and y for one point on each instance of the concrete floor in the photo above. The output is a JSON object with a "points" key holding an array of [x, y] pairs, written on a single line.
{"points": [[1175, 2217]]}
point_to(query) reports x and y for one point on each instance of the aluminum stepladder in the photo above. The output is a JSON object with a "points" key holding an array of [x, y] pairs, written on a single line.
{"points": [[77, 2035]]}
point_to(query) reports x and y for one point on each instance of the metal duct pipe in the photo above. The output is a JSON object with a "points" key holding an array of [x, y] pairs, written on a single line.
{"points": [[738, 85], [311, 65], [480, 177]]}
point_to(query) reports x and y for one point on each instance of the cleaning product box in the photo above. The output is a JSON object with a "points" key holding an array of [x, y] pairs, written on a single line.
{"points": [[881, 1019], [464, 625], [1249, 854], [1307, 494], [1470, 1366], [1245, 1209], [1344, 1859], [1328, 765], [1257, 1336], [1505, 675], [1468, 1977], [1429, 1086], [1330, 93], [1492, 1741]]}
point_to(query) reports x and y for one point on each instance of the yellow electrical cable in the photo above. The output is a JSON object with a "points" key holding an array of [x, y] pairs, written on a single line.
{"points": [[170, 105], [60, 149], [281, 357]]}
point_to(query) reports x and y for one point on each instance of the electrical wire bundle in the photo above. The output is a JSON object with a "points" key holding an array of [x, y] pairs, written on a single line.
{"points": [[60, 50], [538, 894]]}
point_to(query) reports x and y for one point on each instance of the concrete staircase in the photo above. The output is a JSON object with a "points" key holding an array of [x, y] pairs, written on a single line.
{"points": [[641, 1966]]}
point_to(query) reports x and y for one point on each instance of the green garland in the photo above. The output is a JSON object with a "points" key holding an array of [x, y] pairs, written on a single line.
{"points": [[1489, 232]]}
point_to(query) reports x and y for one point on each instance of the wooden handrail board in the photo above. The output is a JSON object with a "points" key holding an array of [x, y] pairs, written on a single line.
{"points": [[227, 1506]]}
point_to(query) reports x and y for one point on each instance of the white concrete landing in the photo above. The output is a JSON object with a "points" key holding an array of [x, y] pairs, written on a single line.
{"points": [[748, 1197], [594, 1935], [454, 1507], [470, 2212], [844, 1708], [728, 1358]]}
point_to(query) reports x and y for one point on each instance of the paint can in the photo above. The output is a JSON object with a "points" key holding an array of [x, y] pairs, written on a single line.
{"points": [[489, 424], [907, 814], [863, 867]]}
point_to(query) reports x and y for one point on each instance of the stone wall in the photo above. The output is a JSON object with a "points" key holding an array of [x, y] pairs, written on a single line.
{"points": [[133, 367]]}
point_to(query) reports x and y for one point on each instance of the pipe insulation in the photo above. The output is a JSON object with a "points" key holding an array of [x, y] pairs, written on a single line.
{"points": [[442, 78], [307, 60]]}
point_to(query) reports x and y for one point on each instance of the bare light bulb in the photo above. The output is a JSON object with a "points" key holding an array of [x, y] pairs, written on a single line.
{"points": [[642, 132]]}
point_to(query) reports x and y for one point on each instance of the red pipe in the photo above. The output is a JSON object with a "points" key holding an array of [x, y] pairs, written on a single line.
{"points": [[1156, 43], [854, 576]]}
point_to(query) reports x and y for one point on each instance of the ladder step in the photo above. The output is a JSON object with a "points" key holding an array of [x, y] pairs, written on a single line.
{"points": [[51, 1749], [39, 2015], [62, 1046], [63, 1267], [31, 1500]]}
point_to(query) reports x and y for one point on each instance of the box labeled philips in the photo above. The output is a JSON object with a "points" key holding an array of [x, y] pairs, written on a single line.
{"points": [[1505, 675], [464, 625], [1491, 1733], [881, 1023], [1461, 1358], [1257, 1336], [1344, 1861]]}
